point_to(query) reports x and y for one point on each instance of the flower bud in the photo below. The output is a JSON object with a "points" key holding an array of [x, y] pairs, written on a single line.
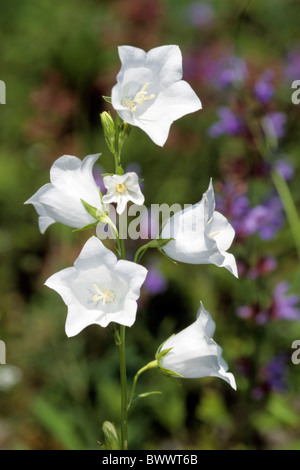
{"points": [[112, 441], [109, 130]]}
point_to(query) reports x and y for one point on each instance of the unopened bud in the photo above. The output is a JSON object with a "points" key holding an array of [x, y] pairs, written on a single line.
{"points": [[109, 129]]}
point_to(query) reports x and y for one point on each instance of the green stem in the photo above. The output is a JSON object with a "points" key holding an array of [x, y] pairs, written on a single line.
{"points": [[122, 354], [123, 378], [289, 206], [281, 186], [150, 365]]}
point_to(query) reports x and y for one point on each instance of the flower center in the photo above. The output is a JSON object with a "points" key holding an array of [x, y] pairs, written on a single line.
{"points": [[139, 98], [121, 188], [107, 296]]}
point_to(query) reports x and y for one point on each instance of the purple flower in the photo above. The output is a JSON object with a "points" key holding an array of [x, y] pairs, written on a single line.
{"points": [[292, 70], [284, 306], [264, 266], [273, 376], [265, 219], [284, 168], [235, 204], [233, 72], [228, 123], [263, 88], [274, 124], [200, 14], [275, 373], [155, 282]]}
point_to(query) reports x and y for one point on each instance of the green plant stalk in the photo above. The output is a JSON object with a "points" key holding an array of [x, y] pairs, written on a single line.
{"points": [[122, 355], [123, 379], [280, 185], [290, 208], [150, 365]]}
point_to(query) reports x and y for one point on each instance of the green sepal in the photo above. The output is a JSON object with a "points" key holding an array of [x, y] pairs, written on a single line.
{"points": [[159, 355], [107, 99], [111, 437], [86, 227], [169, 372], [93, 211], [163, 242]]}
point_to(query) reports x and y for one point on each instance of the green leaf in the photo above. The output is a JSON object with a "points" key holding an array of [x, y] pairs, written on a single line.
{"points": [[146, 394], [57, 423]]}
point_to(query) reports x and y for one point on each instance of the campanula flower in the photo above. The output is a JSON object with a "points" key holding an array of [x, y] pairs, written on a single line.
{"points": [[122, 189], [192, 353], [150, 92], [200, 235], [98, 289], [72, 181]]}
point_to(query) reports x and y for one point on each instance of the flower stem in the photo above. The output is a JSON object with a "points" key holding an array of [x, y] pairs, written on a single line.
{"points": [[122, 354], [150, 365], [289, 206], [123, 378]]}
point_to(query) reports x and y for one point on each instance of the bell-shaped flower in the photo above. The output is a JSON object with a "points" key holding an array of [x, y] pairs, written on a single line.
{"points": [[121, 189], [200, 235], [61, 200], [99, 288], [150, 92], [192, 353]]}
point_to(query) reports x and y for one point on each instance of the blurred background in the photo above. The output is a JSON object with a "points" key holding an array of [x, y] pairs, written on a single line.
{"points": [[241, 58]]}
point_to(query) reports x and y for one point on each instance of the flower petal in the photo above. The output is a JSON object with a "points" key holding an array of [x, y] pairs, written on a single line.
{"points": [[194, 354], [93, 254]]}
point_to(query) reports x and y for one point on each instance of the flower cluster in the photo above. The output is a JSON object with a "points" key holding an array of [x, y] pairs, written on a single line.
{"points": [[102, 288]]}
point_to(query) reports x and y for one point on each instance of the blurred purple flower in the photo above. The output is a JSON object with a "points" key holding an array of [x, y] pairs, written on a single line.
{"points": [[155, 282], [263, 88], [264, 266], [276, 372], [235, 205], [97, 173], [273, 376], [232, 72], [228, 123], [274, 124], [200, 14], [284, 168], [292, 69], [265, 219], [254, 312], [284, 306]]}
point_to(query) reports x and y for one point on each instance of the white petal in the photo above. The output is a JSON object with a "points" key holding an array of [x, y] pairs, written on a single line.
{"points": [[78, 318], [173, 103], [131, 56], [158, 129], [93, 254], [194, 353], [223, 230], [166, 62], [135, 274], [74, 177], [225, 260], [64, 208]]}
